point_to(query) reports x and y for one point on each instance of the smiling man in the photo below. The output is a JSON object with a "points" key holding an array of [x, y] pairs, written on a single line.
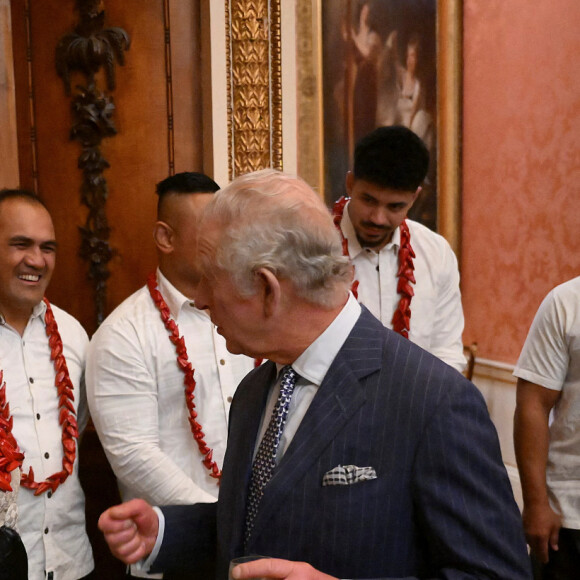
{"points": [[405, 274], [42, 357]]}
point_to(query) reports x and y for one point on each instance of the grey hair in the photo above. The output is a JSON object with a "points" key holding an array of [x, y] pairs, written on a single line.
{"points": [[276, 221]]}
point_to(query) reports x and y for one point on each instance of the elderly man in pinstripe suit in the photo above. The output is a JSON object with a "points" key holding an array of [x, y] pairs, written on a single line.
{"points": [[387, 464]]}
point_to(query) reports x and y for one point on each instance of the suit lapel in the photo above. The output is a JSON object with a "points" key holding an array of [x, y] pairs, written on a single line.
{"points": [[340, 395], [245, 419]]}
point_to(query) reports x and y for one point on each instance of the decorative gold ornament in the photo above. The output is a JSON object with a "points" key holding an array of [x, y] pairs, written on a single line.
{"points": [[255, 85]]}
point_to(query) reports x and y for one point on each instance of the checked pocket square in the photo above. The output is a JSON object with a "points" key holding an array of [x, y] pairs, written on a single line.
{"points": [[348, 474]]}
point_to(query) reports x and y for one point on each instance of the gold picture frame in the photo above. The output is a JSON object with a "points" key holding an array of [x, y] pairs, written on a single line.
{"points": [[310, 162]]}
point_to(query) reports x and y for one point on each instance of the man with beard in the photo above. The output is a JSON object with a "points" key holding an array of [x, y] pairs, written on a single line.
{"points": [[405, 274]]}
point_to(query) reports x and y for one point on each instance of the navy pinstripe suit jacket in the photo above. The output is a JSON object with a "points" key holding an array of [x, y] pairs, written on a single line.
{"points": [[440, 507]]}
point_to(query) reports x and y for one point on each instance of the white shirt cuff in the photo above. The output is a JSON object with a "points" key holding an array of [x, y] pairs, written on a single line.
{"points": [[146, 563]]}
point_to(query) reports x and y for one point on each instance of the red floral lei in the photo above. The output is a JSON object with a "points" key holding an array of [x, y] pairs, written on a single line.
{"points": [[188, 372], [402, 316], [10, 455]]}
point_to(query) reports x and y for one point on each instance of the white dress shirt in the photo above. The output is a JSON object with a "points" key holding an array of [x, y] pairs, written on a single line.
{"points": [[436, 311], [311, 366], [52, 525], [137, 397]]}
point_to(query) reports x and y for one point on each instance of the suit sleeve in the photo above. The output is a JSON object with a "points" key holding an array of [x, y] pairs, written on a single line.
{"points": [[188, 548], [467, 513]]}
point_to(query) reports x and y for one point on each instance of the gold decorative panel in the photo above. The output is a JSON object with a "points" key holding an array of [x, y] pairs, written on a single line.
{"points": [[255, 85]]}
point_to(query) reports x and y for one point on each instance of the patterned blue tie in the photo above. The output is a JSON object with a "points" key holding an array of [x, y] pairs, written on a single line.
{"points": [[265, 460]]}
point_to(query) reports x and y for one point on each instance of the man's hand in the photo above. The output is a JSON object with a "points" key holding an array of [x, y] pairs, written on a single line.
{"points": [[542, 527], [130, 529], [275, 568]]}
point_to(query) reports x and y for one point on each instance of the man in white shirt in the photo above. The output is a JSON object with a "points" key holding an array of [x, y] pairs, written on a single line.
{"points": [[352, 452], [163, 425], [405, 274], [548, 450], [42, 358]]}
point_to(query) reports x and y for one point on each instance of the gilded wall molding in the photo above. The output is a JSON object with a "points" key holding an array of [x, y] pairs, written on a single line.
{"points": [[309, 92], [254, 85], [88, 49]]}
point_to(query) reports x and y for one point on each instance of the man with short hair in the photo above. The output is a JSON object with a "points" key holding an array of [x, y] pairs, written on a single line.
{"points": [[159, 377], [352, 452], [547, 433], [42, 357], [405, 274]]}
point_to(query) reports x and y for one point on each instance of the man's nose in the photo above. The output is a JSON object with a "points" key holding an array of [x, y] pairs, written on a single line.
{"points": [[380, 216], [34, 258], [201, 295]]}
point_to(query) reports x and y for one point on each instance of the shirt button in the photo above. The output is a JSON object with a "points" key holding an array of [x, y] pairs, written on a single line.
{"points": [[192, 304], [46, 530], [31, 380], [230, 399], [222, 362], [49, 494], [46, 455], [38, 416]]}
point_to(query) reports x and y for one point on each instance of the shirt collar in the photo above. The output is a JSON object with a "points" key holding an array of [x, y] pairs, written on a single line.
{"points": [[174, 299], [354, 247], [37, 312], [314, 362]]}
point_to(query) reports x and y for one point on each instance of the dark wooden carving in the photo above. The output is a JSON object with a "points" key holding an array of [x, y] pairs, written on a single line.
{"points": [[88, 49]]}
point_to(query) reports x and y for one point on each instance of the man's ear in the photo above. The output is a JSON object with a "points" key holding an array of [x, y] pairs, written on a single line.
{"points": [[269, 289], [163, 236], [415, 196]]}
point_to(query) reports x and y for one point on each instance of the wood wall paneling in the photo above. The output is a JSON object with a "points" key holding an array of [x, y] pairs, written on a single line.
{"points": [[8, 136], [158, 119]]}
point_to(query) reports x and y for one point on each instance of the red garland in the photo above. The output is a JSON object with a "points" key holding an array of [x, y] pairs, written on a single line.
{"points": [[10, 456], [402, 316], [188, 379]]}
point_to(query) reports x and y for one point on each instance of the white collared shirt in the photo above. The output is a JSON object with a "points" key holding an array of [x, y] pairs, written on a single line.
{"points": [[436, 311], [137, 397], [311, 366], [52, 525]]}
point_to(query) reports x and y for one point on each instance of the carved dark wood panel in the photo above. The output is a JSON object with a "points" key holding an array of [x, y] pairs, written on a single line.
{"points": [[89, 49]]}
